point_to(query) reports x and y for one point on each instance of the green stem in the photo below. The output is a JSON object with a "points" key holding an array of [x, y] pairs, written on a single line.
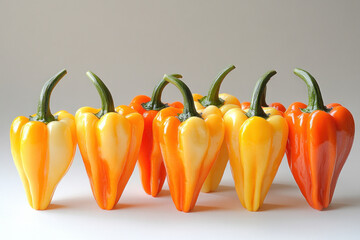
{"points": [[189, 106], [43, 110], [213, 95], [155, 102], [107, 103], [315, 99], [255, 106], [263, 99]]}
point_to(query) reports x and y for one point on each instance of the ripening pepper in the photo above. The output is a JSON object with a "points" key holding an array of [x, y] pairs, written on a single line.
{"points": [[224, 102], [278, 106], [189, 143], [109, 140], [256, 141], [320, 140], [150, 162], [43, 147]]}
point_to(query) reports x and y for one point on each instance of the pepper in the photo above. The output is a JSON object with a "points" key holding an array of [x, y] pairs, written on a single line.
{"points": [[109, 141], [224, 102], [278, 106], [256, 141], [189, 143], [320, 140], [151, 166], [43, 147]]}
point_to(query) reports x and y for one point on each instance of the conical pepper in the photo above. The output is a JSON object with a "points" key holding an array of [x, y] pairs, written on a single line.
{"points": [[224, 102], [320, 140], [109, 141], [256, 141], [151, 165], [190, 143], [43, 147]]}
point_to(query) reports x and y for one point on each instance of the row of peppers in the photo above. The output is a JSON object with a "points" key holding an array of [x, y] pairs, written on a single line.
{"points": [[188, 143]]}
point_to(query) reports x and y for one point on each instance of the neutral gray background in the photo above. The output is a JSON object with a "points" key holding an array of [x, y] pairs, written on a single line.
{"points": [[130, 45]]}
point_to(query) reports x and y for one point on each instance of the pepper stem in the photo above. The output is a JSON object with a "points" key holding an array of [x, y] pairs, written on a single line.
{"points": [[315, 99], [155, 102], [189, 106], [213, 95], [255, 106], [43, 110], [263, 99], [107, 102]]}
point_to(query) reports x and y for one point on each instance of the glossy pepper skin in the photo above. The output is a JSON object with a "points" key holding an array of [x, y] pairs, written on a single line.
{"points": [[43, 147], [189, 143], [320, 140], [224, 102], [278, 106], [109, 141], [150, 162], [256, 141]]}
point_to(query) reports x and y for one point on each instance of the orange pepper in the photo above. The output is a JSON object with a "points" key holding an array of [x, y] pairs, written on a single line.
{"points": [[43, 147], [151, 166], [109, 141], [320, 140], [190, 143]]}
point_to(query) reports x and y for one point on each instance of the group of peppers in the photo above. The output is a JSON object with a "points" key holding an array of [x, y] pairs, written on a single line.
{"points": [[188, 143]]}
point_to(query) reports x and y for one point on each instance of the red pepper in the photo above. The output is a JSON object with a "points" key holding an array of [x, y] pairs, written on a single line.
{"points": [[151, 166], [320, 140]]}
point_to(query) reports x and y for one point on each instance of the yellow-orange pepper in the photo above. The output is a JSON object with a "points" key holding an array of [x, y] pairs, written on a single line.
{"points": [[256, 141], [43, 147], [224, 102], [189, 143], [109, 142]]}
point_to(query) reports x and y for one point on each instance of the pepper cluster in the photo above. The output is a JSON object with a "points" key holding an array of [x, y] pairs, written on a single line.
{"points": [[188, 143]]}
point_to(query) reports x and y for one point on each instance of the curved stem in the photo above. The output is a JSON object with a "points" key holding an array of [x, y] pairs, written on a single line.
{"points": [[43, 110], [315, 99], [155, 103], [213, 95], [189, 106], [255, 106], [263, 99], [107, 103]]}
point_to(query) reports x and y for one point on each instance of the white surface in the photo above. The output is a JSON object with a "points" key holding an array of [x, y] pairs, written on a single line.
{"points": [[74, 213]]}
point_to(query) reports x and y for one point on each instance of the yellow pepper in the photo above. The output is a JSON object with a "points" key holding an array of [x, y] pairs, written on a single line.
{"points": [[189, 143], [256, 141], [224, 102], [109, 142], [43, 147]]}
